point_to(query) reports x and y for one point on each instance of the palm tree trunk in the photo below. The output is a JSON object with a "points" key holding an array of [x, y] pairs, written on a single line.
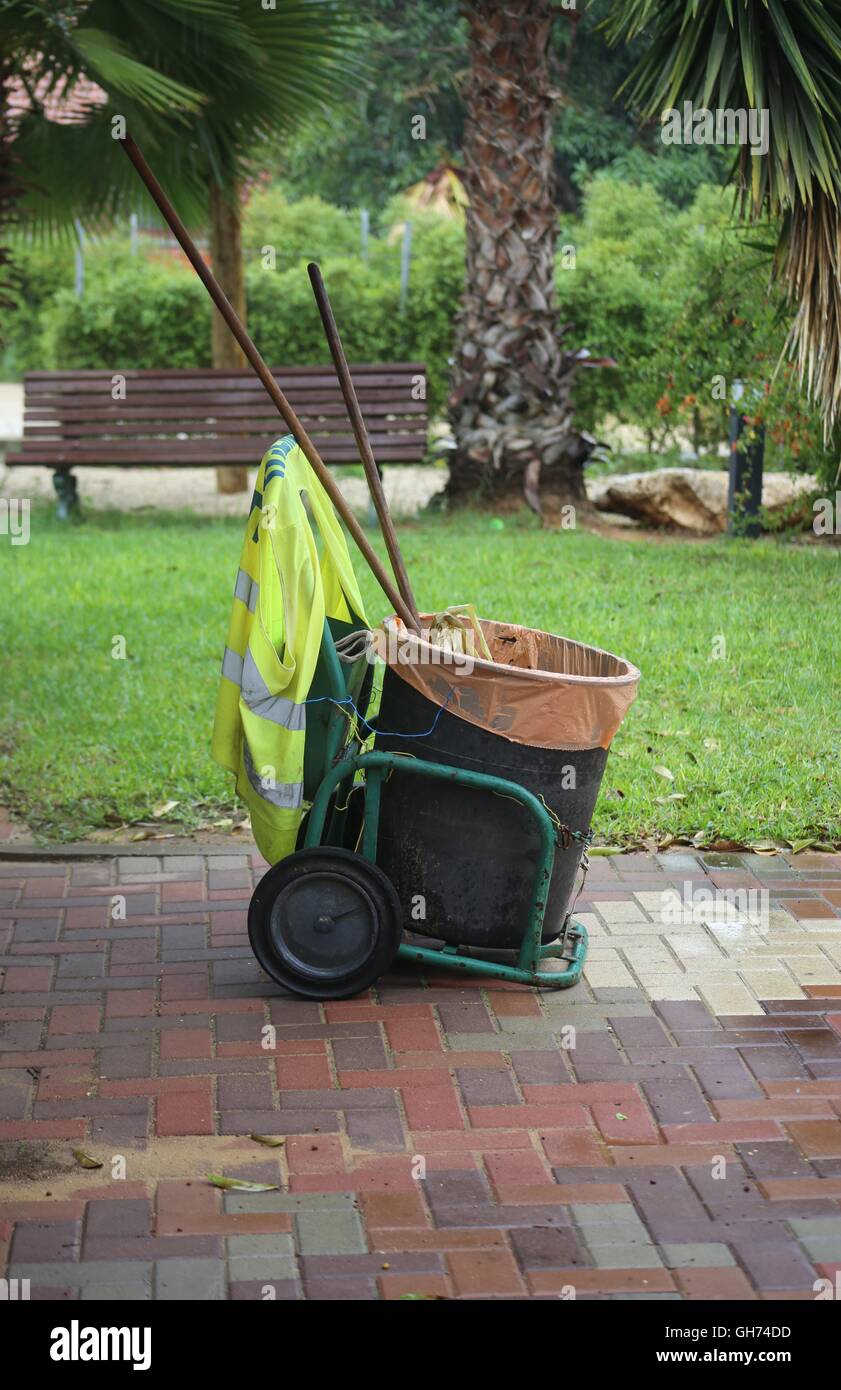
{"points": [[510, 404], [226, 252]]}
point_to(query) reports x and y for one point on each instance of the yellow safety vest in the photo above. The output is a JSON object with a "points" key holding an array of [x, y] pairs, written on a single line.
{"points": [[283, 594]]}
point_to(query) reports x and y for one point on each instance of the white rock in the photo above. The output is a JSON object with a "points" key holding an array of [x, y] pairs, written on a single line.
{"points": [[693, 499]]}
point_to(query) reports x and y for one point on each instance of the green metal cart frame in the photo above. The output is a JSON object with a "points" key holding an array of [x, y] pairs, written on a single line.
{"points": [[340, 768]]}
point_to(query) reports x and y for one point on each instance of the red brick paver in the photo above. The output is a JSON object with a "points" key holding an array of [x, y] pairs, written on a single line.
{"points": [[670, 1127]]}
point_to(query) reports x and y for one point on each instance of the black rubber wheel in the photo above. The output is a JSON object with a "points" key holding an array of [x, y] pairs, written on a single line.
{"points": [[324, 923]]}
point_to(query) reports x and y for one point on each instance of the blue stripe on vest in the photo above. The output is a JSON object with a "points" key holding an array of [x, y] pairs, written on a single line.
{"points": [[282, 447], [256, 501], [275, 468]]}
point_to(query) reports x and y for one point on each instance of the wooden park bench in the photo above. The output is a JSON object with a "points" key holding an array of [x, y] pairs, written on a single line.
{"points": [[205, 418]]}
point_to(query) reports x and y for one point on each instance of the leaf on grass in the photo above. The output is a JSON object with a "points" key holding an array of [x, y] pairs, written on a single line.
{"points": [[615, 794], [712, 744], [604, 849], [163, 808], [240, 1185], [141, 835], [763, 847], [798, 845], [84, 1160], [664, 772], [271, 1141], [673, 796]]}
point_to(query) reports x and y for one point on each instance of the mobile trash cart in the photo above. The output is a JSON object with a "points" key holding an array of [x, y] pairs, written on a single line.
{"points": [[392, 828], [423, 817], [443, 826]]}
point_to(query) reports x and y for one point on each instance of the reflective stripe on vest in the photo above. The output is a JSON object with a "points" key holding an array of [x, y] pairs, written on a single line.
{"points": [[288, 796], [247, 590], [232, 666], [256, 694], [260, 700]]}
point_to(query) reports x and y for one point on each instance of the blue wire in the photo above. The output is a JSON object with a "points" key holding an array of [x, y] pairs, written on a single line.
{"points": [[319, 699]]}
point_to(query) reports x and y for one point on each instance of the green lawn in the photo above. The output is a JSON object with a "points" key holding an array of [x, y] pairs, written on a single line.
{"points": [[751, 737]]}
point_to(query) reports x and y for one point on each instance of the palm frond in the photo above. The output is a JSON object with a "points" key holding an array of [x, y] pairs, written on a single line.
{"points": [[784, 59], [199, 81], [810, 253], [108, 62], [53, 155]]}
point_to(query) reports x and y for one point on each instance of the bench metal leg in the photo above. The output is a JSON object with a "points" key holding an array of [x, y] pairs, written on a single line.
{"points": [[67, 493]]}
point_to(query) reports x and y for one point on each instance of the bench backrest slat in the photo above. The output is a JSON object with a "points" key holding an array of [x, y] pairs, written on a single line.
{"points": [[196, 415]]}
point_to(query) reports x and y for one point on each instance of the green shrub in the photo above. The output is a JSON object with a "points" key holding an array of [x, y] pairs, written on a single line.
{"points": [[365, 299], [151, 311], [37, 272], [683, 301], [284, 320], [135, 312], [435, 285], [680, 298], [620, 298], [306, 230]]}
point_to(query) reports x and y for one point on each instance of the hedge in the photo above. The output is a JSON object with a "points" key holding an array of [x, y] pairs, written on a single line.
{"points": [[679, 298], [153, 312]]}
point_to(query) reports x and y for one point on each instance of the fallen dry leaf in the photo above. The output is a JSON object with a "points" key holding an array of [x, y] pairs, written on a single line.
{"points": [[84, 1160], [240, 1185]]}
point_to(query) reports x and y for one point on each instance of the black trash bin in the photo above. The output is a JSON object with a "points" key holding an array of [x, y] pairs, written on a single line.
{"points": [[463, 860]]}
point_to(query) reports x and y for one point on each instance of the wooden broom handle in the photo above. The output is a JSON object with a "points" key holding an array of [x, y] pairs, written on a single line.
{"points": [[236, 326], [360, 434]]}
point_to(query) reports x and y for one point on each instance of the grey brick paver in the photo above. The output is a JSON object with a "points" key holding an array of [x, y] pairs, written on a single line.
{"points": [[330, 1233], [86, 1274], [188, 1280]]}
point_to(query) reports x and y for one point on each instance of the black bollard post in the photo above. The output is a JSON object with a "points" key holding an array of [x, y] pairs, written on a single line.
{"points": [[747, 462], [64, 482]]}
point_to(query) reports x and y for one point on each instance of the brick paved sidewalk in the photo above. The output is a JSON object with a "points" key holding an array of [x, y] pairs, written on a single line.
{"points": [[683, 1141]]}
